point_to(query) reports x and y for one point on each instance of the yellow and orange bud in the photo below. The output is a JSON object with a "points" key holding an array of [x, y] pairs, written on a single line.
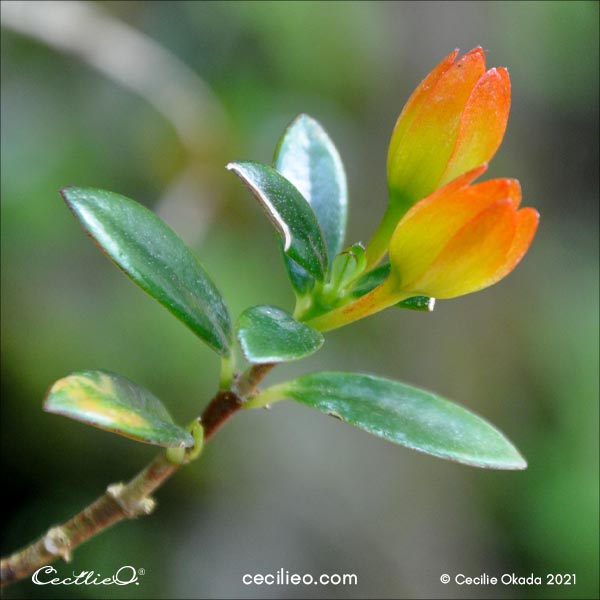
{"points": [[454, 121], [462, 238], [458, 240]]}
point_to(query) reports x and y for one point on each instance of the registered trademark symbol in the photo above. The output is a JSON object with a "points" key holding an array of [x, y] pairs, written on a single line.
{"points": [[141, 571]]}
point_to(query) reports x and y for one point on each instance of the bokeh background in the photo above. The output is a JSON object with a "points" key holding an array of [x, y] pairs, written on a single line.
{"points": [[152, 99]]}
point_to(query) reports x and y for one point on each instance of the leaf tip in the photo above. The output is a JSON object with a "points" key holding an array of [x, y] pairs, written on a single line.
{"points": [[57, 386], [247, 173], [65, 193], [512, 460], [519, 463], [303, 118]]}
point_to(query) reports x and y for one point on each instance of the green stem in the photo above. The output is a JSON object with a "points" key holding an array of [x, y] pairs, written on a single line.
{"points": [[227, 372], [303, 304], [381, 297], [268, 396], [378, 246]]}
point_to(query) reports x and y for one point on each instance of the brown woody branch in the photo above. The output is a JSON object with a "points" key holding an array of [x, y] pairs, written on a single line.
{"points": [[124, 501]]}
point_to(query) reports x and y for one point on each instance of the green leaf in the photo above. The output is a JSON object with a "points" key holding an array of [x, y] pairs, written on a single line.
{"points": [[114, 403], [402, 414], [370, 280], [291, 214], [420, 303], [377, 276], [307, 157], [268, 334], [155, 258]]}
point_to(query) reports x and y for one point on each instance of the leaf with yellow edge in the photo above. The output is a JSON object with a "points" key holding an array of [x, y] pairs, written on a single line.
{"points": [[116, 404]]}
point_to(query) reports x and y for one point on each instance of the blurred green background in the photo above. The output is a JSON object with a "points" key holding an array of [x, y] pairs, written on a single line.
{"points": [[152, 99]]}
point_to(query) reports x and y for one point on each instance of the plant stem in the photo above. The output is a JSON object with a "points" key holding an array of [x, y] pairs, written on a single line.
{"points": [[220, 408], [383, 296], [120, 501], [247, 384], [227, 369], [124, 501], [378, 246]]}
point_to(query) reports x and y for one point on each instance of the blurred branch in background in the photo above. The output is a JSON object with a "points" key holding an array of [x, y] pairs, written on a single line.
{"points": [[138, 63], [129, 58]]}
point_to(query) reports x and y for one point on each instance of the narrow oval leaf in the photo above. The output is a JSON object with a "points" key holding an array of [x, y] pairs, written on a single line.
{"points": [[268, 334], [406, 415], [291, 214], [307, 157], [115, 403], [155, 258]]}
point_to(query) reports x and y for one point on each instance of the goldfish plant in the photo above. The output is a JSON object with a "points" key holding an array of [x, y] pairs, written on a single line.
{"points": [[444, 234]]}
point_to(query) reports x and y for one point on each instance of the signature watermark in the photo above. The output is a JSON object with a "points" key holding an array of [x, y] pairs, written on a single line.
{"points": [[126, 575], [531, 579]]}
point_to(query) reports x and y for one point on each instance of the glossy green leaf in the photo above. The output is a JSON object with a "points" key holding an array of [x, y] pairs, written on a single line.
{"points": [[420, 303], [307, 157], [370, 280], [268, 334], [377, 276], [291, 214], [155, 258], [404, 415], [114, 403]]}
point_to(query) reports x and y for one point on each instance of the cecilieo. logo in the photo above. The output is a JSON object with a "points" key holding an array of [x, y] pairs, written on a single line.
{"points": [[126, 575]]}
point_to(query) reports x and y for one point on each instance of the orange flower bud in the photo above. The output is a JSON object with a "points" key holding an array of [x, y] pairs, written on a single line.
{"points": [[454, 121], [461, 238], [458, 240]]}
